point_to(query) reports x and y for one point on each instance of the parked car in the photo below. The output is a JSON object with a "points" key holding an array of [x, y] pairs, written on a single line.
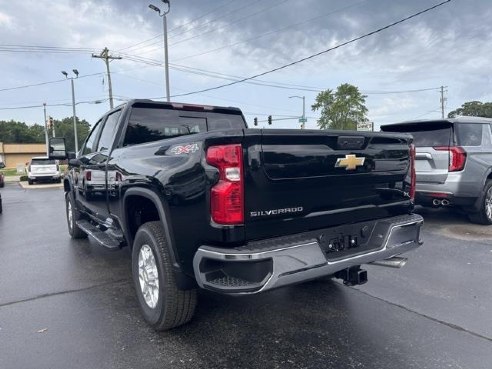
{"points": [[43, 169], [205, 202], [2, 183], [453, 163]]}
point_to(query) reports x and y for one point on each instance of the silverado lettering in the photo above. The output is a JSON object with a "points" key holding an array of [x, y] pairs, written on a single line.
{"points": [[275, 212]]}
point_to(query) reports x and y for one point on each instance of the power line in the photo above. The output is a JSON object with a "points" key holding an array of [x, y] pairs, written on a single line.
{"points": [[235, 11], [190, 29], [47, 83], [231, 23], [202, 16], [203, 26], [42, 49], [319, 53], [285, 28], [399, 92], [53, 105], [281, 85]]}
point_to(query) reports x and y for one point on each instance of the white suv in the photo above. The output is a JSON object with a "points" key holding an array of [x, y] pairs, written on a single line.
{"points": [[43, 169]]}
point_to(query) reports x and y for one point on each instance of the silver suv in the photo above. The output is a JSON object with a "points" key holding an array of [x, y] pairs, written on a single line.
{"points": [[453, 163], [43, 169]]}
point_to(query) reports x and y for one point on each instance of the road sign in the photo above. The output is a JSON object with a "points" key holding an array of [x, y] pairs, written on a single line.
{"points": [[302, 120], [365, 126]]}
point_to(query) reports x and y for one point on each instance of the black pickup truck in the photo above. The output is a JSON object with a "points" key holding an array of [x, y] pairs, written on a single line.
{"points": [[203, 201]]}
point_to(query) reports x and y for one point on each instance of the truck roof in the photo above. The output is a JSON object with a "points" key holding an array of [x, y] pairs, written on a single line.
{"points": [[460, 119]]}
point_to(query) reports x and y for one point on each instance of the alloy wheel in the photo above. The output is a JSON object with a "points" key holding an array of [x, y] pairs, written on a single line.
{"points": [[148, 276]]}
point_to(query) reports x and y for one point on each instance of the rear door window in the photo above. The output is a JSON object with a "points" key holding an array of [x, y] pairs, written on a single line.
{"points": [[426, 134], [469, 134]]}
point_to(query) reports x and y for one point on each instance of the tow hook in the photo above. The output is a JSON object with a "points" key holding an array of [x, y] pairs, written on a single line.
{"points": [[352, 276]]}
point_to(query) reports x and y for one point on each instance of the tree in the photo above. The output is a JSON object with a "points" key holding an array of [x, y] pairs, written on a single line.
{"points": [[474, 109], [341, 109], [64, 128], [19, 132]]}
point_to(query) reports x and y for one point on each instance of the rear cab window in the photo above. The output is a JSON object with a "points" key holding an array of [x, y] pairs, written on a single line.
{"points": [[149, 123], [426, 134]]}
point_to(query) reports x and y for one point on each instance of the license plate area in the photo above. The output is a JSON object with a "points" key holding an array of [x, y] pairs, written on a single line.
{"points": [[349, 240]]}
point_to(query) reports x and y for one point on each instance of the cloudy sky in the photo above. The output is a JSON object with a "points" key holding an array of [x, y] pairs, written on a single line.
{"points": [[212, 42]]}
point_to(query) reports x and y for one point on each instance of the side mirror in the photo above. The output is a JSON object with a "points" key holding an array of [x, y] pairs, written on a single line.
{"points": [[74, 162], [57, 148]]}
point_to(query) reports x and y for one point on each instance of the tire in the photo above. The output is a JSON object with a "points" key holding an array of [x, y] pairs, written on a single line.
{"points": [[73, 229], [483, 210], [165, 306]]}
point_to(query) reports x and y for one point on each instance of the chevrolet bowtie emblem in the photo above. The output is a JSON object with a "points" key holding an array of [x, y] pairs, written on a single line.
{"points": [[350, 162]]}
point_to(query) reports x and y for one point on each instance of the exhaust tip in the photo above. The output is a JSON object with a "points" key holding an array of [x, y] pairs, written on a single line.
{"points": [[437, 202], [394, 262]]}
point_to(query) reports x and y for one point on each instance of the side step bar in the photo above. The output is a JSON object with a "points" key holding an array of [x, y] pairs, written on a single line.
{"points": [[101, 237]]}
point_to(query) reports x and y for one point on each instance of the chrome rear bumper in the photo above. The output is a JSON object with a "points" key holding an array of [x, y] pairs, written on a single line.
{"points": [[268, 264]]}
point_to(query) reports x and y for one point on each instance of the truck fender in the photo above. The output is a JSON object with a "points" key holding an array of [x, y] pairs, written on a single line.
{"points": [[184, 282]]}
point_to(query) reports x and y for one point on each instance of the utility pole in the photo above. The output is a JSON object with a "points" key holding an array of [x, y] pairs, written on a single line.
{"points": [[443, 100], [46, 131], [106, 57]]}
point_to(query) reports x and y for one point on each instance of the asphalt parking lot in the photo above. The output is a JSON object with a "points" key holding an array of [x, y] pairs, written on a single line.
{"points": [[71, 304]]}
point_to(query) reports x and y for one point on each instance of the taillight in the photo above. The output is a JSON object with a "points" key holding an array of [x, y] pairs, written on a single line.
{"points": [[413, 175], [88, 175], [227, 196], [457, 157]]}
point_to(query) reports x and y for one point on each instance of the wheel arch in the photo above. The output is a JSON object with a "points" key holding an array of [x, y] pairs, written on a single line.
{"points": [[158, 212]]}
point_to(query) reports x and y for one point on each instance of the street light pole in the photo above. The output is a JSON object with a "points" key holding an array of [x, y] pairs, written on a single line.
{"points": [[303, 118], [74, 119], [46, 131], [76, 72], [166, 54]]}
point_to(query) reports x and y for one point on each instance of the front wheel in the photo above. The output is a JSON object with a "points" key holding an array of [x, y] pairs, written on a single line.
{"points": [[483, 212], [163, 304]]}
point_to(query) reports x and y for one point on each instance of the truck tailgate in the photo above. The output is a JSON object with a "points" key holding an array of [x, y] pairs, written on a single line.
{"points": [[300, 182]]}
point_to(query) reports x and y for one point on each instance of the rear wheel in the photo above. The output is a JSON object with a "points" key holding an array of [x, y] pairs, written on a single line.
{"points": [[163, 304], [72, 216], [483, 211]]}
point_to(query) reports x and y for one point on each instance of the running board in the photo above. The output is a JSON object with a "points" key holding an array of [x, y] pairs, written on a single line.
{"points": [[102, 238]]}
